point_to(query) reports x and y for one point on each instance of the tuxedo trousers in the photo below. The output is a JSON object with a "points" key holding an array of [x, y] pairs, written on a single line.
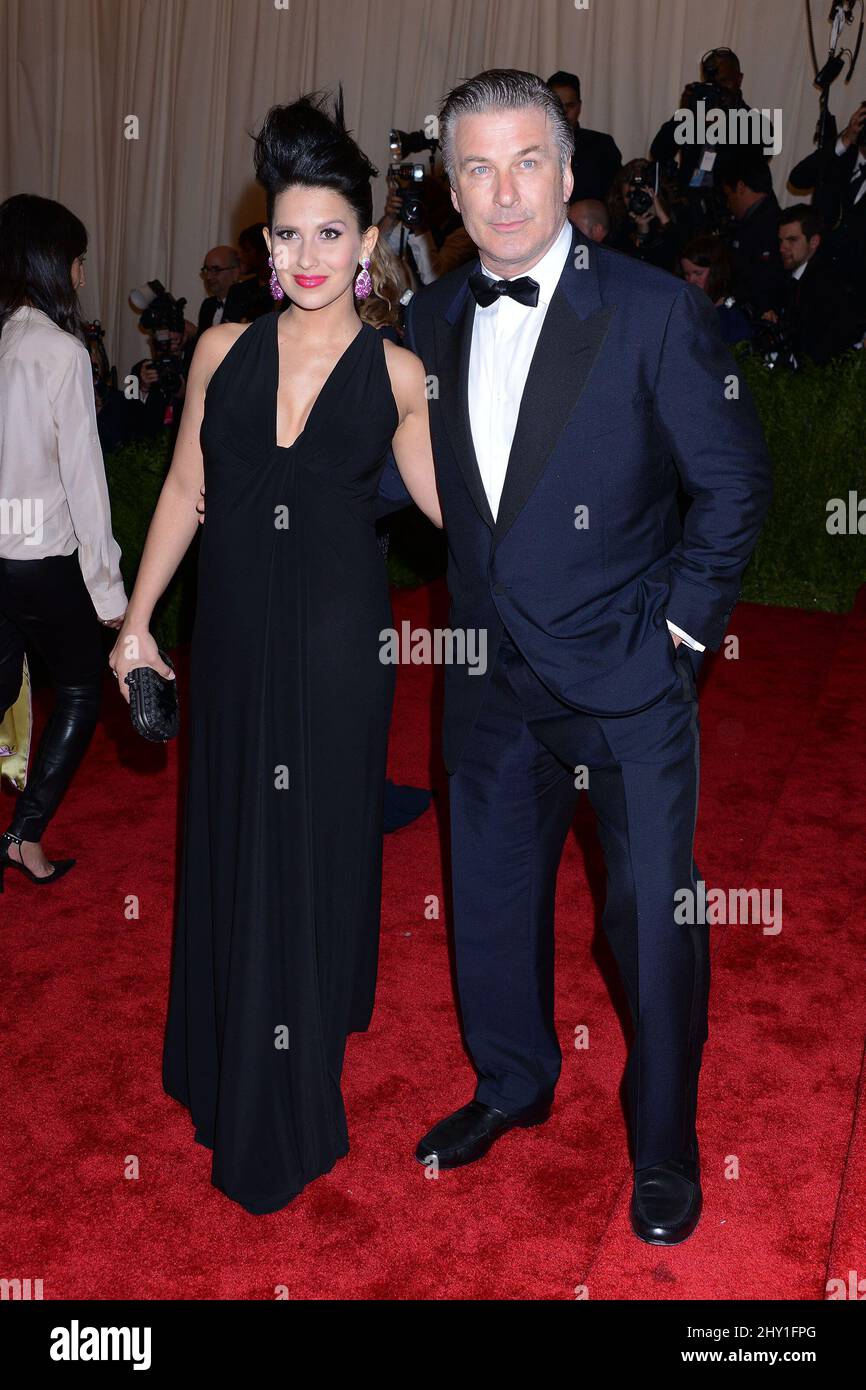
{"points": [[513, 798]]}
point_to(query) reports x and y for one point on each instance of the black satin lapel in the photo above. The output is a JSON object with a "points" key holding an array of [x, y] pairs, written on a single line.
{"points": [[563, 359], [453, 344]]}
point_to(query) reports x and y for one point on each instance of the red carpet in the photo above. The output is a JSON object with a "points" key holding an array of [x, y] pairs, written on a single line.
{"points": [[783, 1088]]}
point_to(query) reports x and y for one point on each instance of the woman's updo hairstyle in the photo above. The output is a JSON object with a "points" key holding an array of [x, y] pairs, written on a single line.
{"points": [[303, 144]]}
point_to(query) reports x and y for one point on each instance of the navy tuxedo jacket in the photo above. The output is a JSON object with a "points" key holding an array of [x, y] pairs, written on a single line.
{"points": [[629, 395]]}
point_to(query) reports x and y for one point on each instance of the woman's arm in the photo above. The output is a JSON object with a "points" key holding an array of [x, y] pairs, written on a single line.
{"points": [[82, 473], [411, 445], [174, 521]]}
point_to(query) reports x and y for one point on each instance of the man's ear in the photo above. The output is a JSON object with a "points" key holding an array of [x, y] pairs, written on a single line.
{"points": [[568, 182], [454, 201]]}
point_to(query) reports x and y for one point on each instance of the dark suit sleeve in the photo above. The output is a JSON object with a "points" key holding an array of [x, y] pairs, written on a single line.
{"points": [[611, 163], [393, 494], [809, 171], [724, 465]]}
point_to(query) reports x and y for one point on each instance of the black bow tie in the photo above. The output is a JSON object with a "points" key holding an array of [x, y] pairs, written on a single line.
{"points": [[487, 291]]}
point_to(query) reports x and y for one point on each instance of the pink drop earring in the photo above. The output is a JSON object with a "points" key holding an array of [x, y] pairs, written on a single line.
{"points": [[276, 288], [363, 283]]}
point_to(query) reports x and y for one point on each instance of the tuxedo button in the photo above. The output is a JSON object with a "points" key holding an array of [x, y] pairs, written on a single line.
{"points": [[499, 588]]}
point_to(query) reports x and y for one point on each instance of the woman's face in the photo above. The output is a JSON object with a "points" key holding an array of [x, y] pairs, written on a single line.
{"points": [[78, 279], [316, 245], [696, 274]]}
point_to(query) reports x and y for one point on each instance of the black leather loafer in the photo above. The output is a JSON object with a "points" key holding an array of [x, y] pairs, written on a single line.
{"points": [[666, 1202], [473, 1129]]}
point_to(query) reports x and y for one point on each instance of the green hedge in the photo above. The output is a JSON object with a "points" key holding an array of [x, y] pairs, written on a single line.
{"points": [[815, 423], [135, 476]]}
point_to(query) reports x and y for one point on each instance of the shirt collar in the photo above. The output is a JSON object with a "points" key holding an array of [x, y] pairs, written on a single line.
{"points": [[25, 309], [546, 271]]}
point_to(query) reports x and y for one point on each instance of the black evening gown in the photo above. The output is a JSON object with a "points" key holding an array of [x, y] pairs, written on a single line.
{"points": [[276, 946]]}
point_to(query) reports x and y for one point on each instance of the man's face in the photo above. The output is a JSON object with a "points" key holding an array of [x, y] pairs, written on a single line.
{"points": [[220, 270], [571, 101], [737, 198], [795, 247], [728, 76], [509, 186]]}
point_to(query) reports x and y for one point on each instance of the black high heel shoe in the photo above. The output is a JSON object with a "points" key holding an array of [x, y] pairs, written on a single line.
{"points": [[60, 866]]}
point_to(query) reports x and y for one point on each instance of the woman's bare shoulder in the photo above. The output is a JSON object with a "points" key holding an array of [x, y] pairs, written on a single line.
{"points": [[407, 374], [211, 348], [215, 342]]}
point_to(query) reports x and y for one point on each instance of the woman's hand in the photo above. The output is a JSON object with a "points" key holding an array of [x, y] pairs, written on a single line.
{"points": [[113, 622], [135, 647]]}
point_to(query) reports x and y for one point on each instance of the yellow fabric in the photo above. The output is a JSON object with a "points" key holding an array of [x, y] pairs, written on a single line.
{"points": [[15, 730]]}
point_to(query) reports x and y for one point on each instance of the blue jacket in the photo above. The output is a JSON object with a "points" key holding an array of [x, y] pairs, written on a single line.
{"points": [[634, 409]]}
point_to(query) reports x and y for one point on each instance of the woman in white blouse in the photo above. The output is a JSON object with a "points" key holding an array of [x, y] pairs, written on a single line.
{"points": [[59, 563]]}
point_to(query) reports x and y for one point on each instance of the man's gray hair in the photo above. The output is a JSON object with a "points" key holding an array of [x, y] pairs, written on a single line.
{"points": [[502, 89]]}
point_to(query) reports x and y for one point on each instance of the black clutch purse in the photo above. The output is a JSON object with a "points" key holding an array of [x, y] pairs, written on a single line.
{"points": [[153, 702]]}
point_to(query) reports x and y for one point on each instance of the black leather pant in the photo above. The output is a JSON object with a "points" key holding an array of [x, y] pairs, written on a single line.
{"points": [[44, 606]]}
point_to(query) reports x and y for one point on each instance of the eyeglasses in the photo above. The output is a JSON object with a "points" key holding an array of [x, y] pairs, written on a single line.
{"points": [[215, 269]]}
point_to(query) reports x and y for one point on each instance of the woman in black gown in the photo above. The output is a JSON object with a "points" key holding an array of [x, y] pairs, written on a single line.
{"points": [[275, 954]]}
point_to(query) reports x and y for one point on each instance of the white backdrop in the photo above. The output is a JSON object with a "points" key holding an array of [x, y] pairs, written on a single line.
{"points": [[200, 74]]}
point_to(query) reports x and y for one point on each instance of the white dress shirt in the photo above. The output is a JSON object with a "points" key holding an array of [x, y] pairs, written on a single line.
{"points": [[53, 493], [841, 149], [504, 337]]}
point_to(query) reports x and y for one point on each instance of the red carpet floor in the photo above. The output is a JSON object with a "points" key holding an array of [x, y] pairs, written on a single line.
{"points": [[782, 1118]]}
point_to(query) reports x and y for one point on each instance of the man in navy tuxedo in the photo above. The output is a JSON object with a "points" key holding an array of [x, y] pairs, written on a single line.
{"points": [[577, 390]]}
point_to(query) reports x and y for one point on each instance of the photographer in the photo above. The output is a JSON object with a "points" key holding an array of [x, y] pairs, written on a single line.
{"points": [[643, 221], [743, 177], [160, 391], [162, 376], [838, 176], [720, 86], [693, 165], [421, 226]]}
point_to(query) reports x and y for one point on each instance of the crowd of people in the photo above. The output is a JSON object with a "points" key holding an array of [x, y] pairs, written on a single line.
{"points": [[297, 413], [791, 281]]}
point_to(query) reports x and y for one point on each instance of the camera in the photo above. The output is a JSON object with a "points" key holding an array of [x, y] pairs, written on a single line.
{"points": [[643, 185], [770, 342], [104, 375], [406, 178], [160, 314]]}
